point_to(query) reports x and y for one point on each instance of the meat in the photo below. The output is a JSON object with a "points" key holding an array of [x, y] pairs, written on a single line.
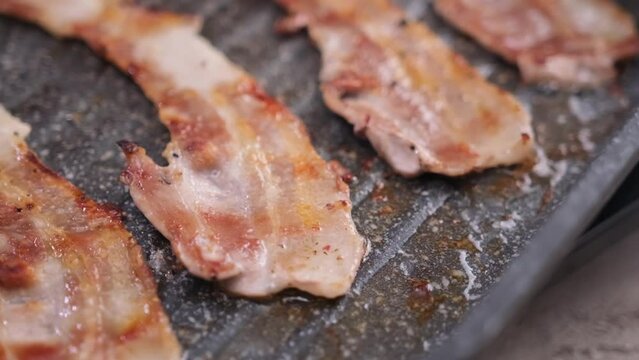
{"points": [[73, 284], [572, 43], [422, 107], [245, 198]]}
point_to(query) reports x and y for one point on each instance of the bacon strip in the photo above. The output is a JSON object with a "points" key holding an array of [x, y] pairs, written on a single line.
{"points": [[73, 284], [562, 42], [245, 197], [422, 107]]}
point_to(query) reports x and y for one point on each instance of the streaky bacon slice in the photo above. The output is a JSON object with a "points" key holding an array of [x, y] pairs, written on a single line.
{"points": [[73, 284], [572, 43], [245, 198], [422, 107]]}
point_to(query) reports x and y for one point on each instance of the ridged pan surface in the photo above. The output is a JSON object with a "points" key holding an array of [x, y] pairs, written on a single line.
{"points": [[423, 273]]}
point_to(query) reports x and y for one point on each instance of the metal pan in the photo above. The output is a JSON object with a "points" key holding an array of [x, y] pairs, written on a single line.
{"points": [[413, 295]]}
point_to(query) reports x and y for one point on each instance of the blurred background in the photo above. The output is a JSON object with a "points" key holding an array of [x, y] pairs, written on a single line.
{"points": [[590, 310]]}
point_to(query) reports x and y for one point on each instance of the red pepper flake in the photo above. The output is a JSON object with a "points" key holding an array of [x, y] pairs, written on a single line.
{"points": [[342, 204], [327, 248], [421, 301]]}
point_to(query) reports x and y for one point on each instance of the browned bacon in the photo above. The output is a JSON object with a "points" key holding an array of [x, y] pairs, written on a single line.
{"points": [[422, 107], [245, 197], [562, 42], [73, 284]]}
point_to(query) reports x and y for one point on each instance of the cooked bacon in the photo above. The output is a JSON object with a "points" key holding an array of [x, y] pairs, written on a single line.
{"points": [[245, 197], [422, 107], [562, 42], [73, 284]]}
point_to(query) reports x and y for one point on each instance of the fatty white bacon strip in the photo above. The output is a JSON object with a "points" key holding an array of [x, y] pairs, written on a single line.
{"points": [[245, 197], [562, 42], [422, 107], [73, 284]]}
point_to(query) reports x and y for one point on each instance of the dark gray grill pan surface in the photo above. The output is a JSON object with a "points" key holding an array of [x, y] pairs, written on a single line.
{"points": [[423, 274]]}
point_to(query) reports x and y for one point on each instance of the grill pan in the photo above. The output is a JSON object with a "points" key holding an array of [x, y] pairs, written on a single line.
{"points": [[412, 296]]}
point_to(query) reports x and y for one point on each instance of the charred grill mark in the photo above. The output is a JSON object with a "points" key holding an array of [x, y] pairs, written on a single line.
{"points": [[19, 10], [128, 147], [197, 129], [47, 177], [271, 105], [37, 166], [38, 351], [15, 273]]}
